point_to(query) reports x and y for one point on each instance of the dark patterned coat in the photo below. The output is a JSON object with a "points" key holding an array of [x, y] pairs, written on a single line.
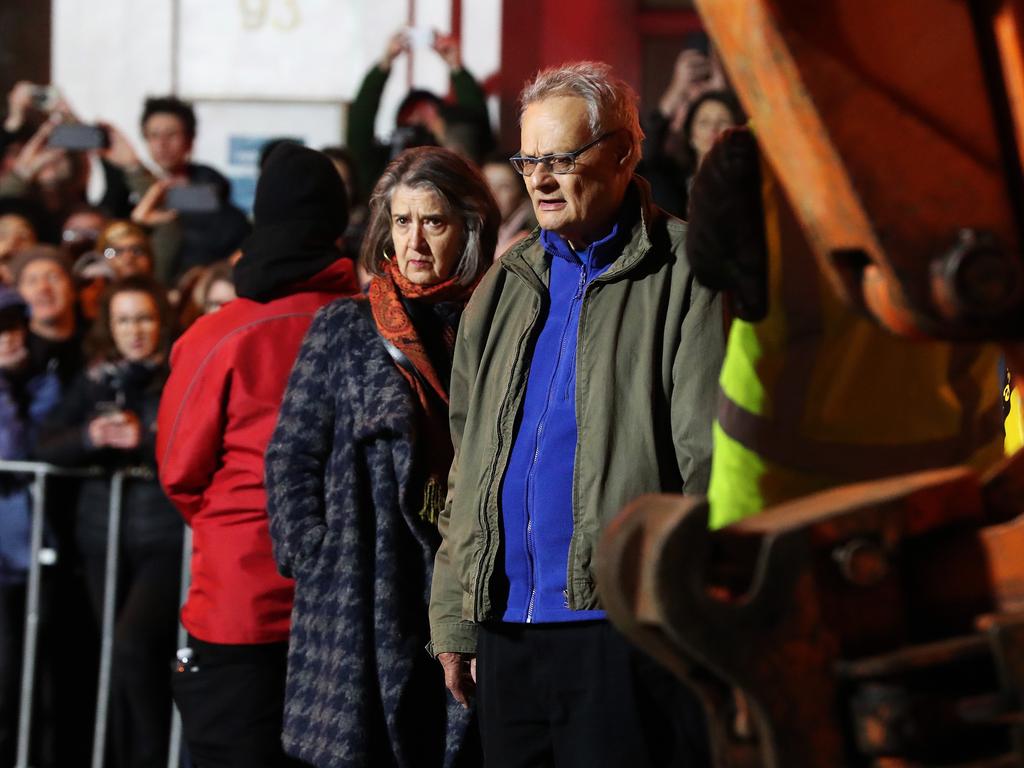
{"points": [[343, 490]]}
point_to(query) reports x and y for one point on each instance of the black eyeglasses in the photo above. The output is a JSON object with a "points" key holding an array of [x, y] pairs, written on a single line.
{"points": [[559, 162]]}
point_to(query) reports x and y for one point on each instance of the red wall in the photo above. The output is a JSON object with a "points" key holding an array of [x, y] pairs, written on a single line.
{"points": [[542, 33]]}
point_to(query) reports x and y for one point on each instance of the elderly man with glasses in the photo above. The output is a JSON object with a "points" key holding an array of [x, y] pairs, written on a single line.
{"points": [[585, 374]]}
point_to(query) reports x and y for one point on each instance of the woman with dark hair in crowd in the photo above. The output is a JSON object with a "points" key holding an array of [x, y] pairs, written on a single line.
{"points": [[108, 419], [357, 471], [710, 115], [694, 110]]}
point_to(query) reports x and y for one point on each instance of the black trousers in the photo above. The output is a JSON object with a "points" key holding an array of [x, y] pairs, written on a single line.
{"points": [[231, 699], [144, 640], [577, 694], [12, 623]]}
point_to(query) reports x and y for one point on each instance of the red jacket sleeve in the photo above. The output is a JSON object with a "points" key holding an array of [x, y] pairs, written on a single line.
{"points": [[190, 425]]}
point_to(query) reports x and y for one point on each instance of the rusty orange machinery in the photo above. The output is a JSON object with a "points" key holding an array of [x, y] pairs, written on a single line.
{"points": [[880, 624], [897, 129]]}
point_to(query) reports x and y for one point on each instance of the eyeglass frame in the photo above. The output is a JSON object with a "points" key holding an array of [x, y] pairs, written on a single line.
{"points": [[135, 251], [547, 159]]}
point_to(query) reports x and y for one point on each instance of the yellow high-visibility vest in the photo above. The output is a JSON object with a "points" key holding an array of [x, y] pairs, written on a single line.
{"points": [[816, 395]]}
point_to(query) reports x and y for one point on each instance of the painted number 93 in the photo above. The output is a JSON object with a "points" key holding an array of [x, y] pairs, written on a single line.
{"points": [[282, 15]]}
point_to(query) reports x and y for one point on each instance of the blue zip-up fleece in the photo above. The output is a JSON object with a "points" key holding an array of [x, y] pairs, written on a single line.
{"points": [[536, 493]]}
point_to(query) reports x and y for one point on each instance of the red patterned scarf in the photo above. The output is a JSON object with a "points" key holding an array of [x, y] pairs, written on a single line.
{"points": [[395, 325]]}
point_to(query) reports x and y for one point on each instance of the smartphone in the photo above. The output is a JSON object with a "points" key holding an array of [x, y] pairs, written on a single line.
{"points": [[192, 198], [44, 97], [79, 137], [420, 37]]}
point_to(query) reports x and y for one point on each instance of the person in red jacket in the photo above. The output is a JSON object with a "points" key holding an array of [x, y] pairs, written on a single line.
{"points": [[219, 408]]}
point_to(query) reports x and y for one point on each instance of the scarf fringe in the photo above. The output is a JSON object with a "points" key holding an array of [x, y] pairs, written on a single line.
{"points": [[434, 494]]}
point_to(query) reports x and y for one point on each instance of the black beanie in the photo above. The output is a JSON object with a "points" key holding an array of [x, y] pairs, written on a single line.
{"points": [[300, 184], [301, 210]]}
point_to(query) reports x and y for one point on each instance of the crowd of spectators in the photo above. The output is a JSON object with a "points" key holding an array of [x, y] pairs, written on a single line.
{"points": [[106, 260]]}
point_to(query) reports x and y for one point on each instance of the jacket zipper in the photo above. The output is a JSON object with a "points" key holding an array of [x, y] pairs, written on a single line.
{"points": [[482, 564], [530, 546]]}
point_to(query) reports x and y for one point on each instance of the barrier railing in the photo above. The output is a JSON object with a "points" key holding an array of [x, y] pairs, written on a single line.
{"points": [[40, 473]]}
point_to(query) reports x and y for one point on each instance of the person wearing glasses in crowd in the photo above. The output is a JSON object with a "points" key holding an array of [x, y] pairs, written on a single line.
{"points": [[585, 374], [108, 418], [125, 247]]}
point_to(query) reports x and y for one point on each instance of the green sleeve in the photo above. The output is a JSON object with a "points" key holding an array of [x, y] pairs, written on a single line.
{"points": [[697, 365], [362, 115], [449, 631]]}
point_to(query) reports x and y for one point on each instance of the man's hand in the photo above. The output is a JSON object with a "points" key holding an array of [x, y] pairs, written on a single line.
{"points": [[447, 47], [397, 44], [459, 675], [120, 152]]}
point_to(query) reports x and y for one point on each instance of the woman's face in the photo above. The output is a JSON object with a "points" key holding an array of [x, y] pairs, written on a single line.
{"points": [[135, 325], [710, 121], [428, 238]]}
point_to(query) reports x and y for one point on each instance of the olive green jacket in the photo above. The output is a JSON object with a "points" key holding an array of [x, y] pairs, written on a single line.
{"points": [[649, 351]]}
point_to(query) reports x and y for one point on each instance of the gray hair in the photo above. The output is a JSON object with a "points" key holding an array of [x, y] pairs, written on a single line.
{"points": [[611, 101], [465, 194]]}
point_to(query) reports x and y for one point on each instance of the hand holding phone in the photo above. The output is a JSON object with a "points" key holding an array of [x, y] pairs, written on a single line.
{"points": [[76, 136], [192, 198]]}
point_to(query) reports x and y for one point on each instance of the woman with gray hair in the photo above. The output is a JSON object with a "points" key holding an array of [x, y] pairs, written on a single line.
{"points": [[357, 473]]}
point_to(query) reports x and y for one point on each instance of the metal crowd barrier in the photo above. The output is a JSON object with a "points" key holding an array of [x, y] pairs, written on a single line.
{"points": [[40, 472]]}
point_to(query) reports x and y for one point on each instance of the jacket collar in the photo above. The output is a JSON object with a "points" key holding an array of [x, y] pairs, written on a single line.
{"points": [[528, 258], [599, 253]]}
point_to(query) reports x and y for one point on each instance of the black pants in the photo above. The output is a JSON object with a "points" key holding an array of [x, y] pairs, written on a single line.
{"points": [[577, 694], [12, 623], [231, 699], [144, 640]]}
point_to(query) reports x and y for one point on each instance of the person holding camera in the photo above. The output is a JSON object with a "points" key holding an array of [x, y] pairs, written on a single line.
{"points": [[189, 208], [422, 115], [58, 161], [108, 419]]}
